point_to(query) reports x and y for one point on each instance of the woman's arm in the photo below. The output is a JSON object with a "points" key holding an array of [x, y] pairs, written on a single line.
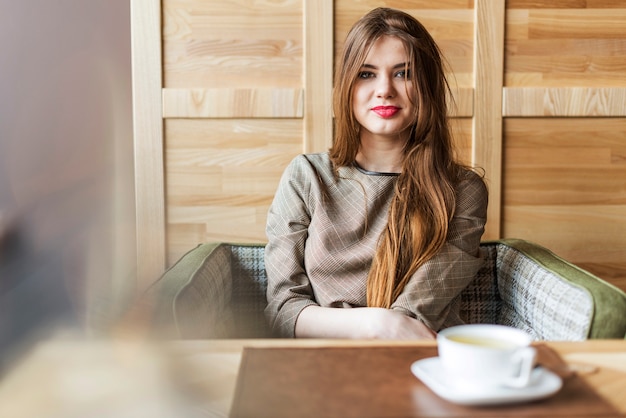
{"points": [[289, 289], [359, 323], [431, 294]]}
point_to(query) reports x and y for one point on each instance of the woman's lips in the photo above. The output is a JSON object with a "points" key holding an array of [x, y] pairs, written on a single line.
{"points": [[385, 111]]}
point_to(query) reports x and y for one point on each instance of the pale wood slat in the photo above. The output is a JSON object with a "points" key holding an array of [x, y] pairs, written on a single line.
{"points": [[318, 74], [574, 101], [489, 69], [233, 103], [148, 140], [275, 103]]}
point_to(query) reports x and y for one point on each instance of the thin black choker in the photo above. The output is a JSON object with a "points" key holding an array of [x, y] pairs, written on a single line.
{"points": [[373, 173]]}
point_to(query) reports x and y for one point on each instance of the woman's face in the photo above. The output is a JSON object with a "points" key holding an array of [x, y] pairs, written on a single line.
{"points": [[382, 96]]}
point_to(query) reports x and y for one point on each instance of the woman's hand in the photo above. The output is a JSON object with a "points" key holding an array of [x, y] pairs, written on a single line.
{"points": [[381, 323], [360, 323]]}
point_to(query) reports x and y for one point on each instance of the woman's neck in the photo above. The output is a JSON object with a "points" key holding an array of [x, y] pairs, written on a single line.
{"points": [[380, 157]]}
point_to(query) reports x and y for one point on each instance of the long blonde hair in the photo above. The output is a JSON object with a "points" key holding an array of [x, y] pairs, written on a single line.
{"points": [[424, 199]]}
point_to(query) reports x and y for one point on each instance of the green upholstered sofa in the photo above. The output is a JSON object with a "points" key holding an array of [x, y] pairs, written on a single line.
{"points": [[217, 290]]}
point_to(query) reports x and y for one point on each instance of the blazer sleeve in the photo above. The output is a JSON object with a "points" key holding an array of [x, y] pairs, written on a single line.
{"points": [[431, 294], [289, 290]]}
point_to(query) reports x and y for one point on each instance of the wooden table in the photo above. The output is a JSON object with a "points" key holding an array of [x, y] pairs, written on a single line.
{"points": [[126, 378]]}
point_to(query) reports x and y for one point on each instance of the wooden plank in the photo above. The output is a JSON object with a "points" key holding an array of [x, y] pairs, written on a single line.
{"points": [[581, 233], [574, 101], [148, 140], [565, 187], [577, 23], [222, 175], [462, 104], [488, 84], [232, 43], [233, 103], [217, 103], [574, 46], [318, 74]]}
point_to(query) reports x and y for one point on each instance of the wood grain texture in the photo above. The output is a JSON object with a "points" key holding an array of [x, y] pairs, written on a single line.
{"points": [[276, 103], [233, 103], [462, 103], [564, 174], [232, 43], [564, 4], [318, 75], [556, 180], [488, 59], [565, 188], [235, 99], [222, 175], [573, 101], [148, 141], [573, 46]]}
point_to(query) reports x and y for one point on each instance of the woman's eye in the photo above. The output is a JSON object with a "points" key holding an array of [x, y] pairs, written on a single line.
{"points": [[366, 74], [403, 74]]}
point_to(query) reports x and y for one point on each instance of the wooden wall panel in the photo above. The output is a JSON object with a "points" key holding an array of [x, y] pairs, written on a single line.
{"points": [[577, 47], [231, 43], [565, 188], [221, 172], [547, 124], [564, 165], [233, 102], [221, 177]]}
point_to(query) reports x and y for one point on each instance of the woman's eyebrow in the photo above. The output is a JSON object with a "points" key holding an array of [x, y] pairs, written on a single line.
{"points": [[400, 65]]}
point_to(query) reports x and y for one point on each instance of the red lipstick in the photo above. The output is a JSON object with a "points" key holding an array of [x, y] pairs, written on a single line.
{"points": [[385, 111]]}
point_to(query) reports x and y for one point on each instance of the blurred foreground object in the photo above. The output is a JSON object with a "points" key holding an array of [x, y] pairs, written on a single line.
{"points": [[74, 377]]}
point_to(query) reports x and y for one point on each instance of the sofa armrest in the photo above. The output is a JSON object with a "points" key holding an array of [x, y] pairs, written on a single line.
{"points": [[555, 298], [192, 299]]}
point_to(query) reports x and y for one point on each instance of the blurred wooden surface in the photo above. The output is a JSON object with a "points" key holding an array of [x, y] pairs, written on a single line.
{"points": [[67, 377], [247, 85], [600, 363]]}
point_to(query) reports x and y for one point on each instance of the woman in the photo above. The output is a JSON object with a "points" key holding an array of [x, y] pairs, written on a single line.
{"points": [[386, 223]]}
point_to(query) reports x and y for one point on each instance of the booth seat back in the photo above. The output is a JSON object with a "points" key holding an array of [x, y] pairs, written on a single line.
{"points": [[217, 290]]}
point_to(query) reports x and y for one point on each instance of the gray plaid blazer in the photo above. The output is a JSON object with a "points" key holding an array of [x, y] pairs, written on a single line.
{"points": [[323, 231]]}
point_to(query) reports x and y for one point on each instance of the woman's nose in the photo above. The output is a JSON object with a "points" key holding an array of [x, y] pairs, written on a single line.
{"points": [[385, 87]]}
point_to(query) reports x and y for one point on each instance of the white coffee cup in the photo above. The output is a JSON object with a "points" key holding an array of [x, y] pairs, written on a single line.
{"points": [[486, 356]]}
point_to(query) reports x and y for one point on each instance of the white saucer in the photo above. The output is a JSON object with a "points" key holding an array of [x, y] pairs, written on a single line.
{"points": [[544, 383]]}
